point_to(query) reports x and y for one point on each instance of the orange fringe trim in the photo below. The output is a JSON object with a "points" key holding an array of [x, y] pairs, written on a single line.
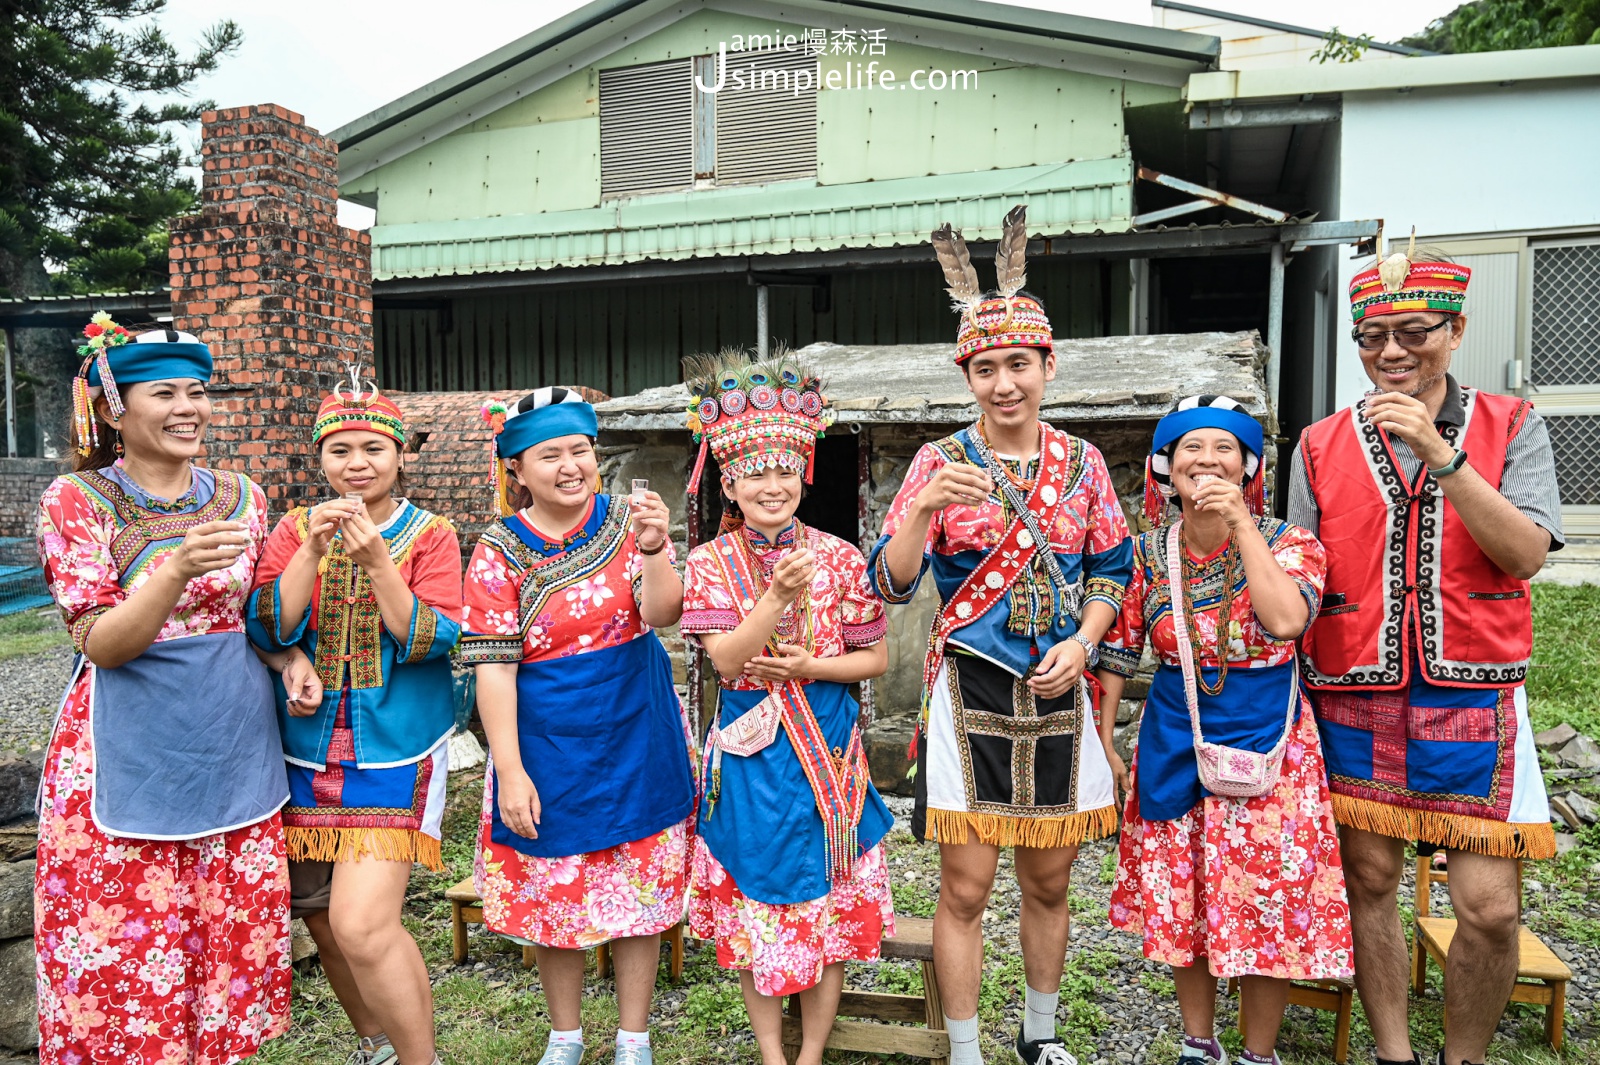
{"points": [[351, 844], [1003, 830], [1479, 835]]}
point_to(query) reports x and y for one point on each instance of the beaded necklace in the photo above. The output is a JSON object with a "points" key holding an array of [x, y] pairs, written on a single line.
{"points": [[787, 630], [1230, 573]]}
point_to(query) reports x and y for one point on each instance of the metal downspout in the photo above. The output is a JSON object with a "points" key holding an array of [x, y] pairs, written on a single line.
{"points": [[1275, 332]]}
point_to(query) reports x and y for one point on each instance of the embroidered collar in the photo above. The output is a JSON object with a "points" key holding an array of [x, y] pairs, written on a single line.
{"points": [[578, 534], [160, 504], [757, 540]]}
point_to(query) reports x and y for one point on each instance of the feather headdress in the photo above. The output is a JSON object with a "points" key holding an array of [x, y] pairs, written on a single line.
{"points": [[1006, 318]]}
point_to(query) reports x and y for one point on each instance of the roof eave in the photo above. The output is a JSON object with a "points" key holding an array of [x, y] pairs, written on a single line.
{"points": [[1444, 71]]}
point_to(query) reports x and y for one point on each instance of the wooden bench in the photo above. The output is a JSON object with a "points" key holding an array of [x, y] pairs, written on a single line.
{"points": [[1541, 976], [1336, 996], [912, 941], [466, 908]]}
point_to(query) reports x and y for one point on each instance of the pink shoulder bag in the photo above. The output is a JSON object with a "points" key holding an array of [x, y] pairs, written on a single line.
{"points": [[1226, 771]]}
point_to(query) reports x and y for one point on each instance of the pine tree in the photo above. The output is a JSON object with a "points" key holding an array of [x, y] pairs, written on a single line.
{"points": [[89, 164]]}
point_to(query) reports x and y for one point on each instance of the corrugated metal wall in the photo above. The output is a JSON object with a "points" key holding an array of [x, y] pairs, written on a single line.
{"points": [[625, 338]]}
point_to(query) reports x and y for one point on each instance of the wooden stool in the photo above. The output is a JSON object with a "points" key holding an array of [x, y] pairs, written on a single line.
{"points": [[1336, 996], [674, 940], [465, 909], [1541, 976], [912, 941]]}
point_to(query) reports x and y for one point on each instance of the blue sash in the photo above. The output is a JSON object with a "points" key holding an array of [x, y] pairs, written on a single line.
{"points": [[1248, 714], [602, 738], [765, 829], [186, 740]]}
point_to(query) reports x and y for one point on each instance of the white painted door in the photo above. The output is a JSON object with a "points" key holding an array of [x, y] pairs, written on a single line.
{"points": [[1564, 369]]}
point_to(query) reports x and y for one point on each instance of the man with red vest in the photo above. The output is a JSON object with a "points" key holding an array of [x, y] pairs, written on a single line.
{"points": [[1436, 503]]}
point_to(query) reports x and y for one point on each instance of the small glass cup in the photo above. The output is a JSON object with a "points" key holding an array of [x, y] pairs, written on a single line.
{"points": [[356, 499], [640, 487]]}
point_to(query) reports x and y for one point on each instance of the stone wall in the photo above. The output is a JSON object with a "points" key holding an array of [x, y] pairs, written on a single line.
{"points": [[22, 482], [19, 1027], [282, 293]]}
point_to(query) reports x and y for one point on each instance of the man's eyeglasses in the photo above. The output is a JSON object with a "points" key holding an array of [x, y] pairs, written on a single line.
{"points": [[1378, 339]]}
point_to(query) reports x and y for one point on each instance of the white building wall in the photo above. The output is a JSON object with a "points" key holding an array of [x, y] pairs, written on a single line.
{"points": [[1464, 162], [1246, 46]]}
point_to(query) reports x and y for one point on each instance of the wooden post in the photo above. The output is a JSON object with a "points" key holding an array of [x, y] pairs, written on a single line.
{"points": [[458, 933]]}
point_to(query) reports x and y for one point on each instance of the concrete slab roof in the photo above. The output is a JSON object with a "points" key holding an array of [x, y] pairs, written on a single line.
{"points": [[1098, 379], [1476, 68]]}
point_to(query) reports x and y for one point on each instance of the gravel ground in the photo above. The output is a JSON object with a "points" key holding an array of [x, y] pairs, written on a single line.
{"points": [[30, 690]]}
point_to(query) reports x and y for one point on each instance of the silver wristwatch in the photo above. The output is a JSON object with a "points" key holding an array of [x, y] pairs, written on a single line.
{"points": [[1090, 650]]}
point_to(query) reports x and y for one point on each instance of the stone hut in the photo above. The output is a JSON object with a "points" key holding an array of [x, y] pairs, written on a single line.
{"points": [[889, 400]]}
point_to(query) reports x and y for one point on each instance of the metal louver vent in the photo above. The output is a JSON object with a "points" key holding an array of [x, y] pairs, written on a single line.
{"points": [[1575, 440], [1566, 315], [767, 118], [647, 128]]}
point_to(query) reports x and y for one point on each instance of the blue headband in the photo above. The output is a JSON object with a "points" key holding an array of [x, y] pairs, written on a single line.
{"points": [[1178, 424], [532, 427], [155, 361]]}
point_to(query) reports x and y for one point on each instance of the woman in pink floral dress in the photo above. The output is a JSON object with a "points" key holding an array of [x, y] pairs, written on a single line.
{"points": [[588, 801], [1218, 886], [789, 876], [161, 895]]}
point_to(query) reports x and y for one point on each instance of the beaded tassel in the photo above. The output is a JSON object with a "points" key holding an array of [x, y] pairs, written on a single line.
{"points": [[1155, 502]]}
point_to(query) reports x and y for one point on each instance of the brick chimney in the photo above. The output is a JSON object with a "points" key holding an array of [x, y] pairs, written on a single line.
{"points": [[282, 293]]}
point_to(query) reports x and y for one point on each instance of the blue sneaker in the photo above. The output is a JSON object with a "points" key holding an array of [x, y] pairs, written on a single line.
{"points": [[562, 1054], [632, 1054]]}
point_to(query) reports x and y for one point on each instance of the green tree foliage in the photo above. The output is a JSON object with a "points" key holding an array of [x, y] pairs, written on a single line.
{"points": [[89, 164], [1497, 25], [1340, 48]]}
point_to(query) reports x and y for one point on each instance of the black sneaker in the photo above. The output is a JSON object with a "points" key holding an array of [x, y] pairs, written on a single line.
{"points": [[1043, 1052]]}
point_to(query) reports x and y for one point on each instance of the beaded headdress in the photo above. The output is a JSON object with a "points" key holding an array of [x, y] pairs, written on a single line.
{"points": [[111, 355], [754, 415], [1007, 319], [1398, 285], [362, 408]]}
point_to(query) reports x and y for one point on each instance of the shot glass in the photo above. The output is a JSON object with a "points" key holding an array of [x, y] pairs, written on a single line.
{"points": [[640, 487]]}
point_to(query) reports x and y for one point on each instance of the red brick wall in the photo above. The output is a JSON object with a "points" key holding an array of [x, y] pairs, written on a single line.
{"points": [[282, 293]]}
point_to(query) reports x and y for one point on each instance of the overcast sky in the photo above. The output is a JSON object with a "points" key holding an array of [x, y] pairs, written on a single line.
{"points": [[336, 60]]}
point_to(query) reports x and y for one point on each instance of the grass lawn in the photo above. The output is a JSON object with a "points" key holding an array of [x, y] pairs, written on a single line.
{"points": [[30, 632]]}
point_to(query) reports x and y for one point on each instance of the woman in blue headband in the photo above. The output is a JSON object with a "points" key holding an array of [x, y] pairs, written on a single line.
{"points": [[589, 795], [1229, 860], [163, 894]]}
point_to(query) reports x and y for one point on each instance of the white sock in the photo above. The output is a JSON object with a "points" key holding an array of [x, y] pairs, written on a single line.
{"points": [[963, 1041], [625, 1038], [574, 1036], [1039, 1020]]}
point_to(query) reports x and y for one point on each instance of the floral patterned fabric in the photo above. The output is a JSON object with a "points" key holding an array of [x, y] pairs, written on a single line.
{"points": [[845, 614], [785, 947], [1255, 886], [151, 951], [582, 900]]}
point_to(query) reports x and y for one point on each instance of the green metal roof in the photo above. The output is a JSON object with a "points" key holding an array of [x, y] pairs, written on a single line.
{"points": [[801, 216]]}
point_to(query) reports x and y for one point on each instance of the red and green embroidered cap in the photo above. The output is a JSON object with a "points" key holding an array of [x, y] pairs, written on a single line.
{"points": [[361, 408]]}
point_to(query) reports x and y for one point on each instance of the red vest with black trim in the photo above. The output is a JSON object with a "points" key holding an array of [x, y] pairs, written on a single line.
{"points": [[1405, 578]]}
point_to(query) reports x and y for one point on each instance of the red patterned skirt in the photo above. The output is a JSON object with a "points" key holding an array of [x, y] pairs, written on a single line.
{"points": [[1255, 886], [785, 946], [162, 952], [582, 900]]}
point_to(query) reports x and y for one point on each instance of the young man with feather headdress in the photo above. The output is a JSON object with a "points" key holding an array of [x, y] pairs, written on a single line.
{"points": [[1008, 753]]}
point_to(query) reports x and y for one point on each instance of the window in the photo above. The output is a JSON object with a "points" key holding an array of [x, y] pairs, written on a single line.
{"points": [[660, 133]]}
